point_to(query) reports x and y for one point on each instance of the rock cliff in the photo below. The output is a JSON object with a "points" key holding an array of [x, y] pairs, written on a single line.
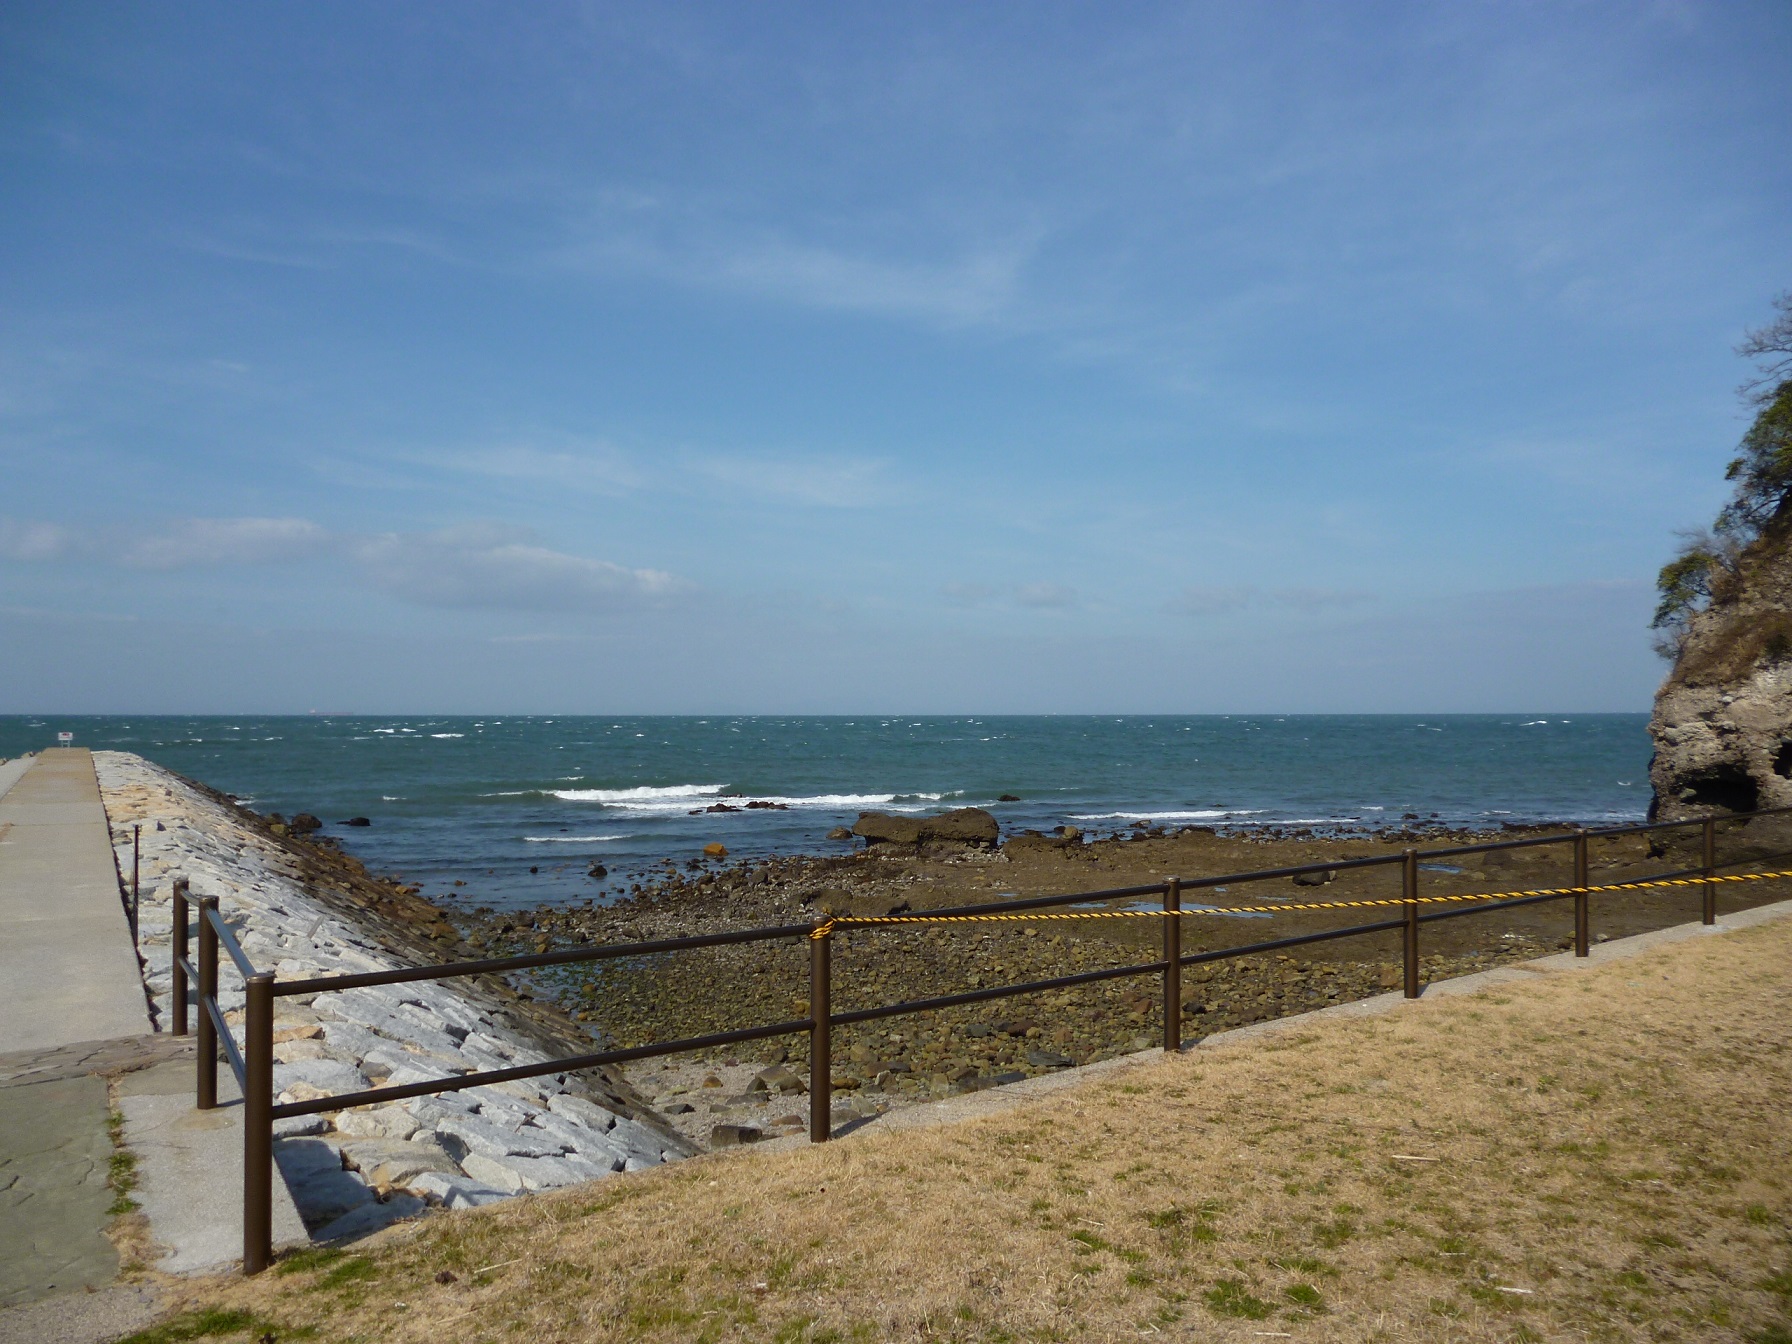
{"points": [[1723, 718]]}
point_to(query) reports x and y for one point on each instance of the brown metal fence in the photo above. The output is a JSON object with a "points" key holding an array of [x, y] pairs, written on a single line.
{"points": [[253, 1062]]}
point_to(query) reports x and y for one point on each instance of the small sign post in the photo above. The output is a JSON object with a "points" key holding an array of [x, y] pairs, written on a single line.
{"points": [[65, 739]]}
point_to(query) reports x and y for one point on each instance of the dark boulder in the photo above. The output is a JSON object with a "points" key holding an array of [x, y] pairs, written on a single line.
{"points": [[970, 826], [854, 905], [355, 821], [303, 823]]}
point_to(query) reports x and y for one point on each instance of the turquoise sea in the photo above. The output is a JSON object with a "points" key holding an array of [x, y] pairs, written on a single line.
{"points": [[519, 808]]}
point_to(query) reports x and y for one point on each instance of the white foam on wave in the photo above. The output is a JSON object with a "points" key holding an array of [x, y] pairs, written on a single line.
{"points": [[1200, 814], [447, 734], [571, 839], [681, 798], [849, 799], [644, 794]]}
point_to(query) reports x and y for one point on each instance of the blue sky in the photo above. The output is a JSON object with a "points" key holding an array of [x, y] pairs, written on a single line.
{"points": [[1293, 357]]}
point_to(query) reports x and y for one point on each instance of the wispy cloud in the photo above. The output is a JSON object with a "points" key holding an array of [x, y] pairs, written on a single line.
{"points": [[213, 542], [824, 482], [957, 277], [598, 468], [470, 566], [967, 594], [484, 567], [815, 480], [20, 540], [1199, 601], [1052, 596], [1213, 601], [1043, 595], [975, 288]]}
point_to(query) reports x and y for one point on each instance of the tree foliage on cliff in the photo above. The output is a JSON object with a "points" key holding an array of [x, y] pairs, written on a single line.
{"points": [[1709, 560]]}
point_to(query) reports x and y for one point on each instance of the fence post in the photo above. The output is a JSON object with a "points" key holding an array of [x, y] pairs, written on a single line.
{"points": [[178, 954], [1172, 965], [821, 1043], [1580, 897], [1409, 892], [258, 1121], [1708, 914], [136, 877], [208, 998]]}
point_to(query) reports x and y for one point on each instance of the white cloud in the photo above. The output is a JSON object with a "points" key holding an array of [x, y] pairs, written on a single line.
{"points": [[480, 566], [972, 289], [1048, 595], [967, 594], [823, 482], [962, 276], [814, 479], [1212, 601], [474, 565], [23, 540], [597, 468], [194, 542], [1319, 599]]}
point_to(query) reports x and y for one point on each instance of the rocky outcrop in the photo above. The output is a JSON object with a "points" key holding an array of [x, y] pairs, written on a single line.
{"points": [[1723, 718], [966, 826]]}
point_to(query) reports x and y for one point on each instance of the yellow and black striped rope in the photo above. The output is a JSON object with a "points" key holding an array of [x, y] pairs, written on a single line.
{"points": [[833, 922]]}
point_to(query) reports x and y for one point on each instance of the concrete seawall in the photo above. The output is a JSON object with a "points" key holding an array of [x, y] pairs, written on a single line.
{"points": [[351, 1172]]}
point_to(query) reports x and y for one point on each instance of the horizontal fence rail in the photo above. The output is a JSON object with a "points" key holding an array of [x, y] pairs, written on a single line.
{"points": [[252, 1063]]}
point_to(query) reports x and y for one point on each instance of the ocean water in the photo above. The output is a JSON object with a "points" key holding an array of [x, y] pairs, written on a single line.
{"points": [[519, 808]]}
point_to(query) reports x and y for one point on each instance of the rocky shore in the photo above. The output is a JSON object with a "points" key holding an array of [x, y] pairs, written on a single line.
{"points": [[302, 909], [906, 1060]]}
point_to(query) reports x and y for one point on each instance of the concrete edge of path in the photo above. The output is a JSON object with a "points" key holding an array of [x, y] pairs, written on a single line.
{"points": [[995, 1100], [190, 1169], [11, 770]]}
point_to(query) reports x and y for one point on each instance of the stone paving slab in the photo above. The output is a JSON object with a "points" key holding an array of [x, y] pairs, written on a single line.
{"points": [[97, 1317], [54, 1157], [106, 1058], [67, 966]]}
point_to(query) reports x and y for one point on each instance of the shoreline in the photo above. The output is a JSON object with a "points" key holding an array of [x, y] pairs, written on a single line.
{"points": [[760, 1090], [906, 1061], [304, 910]]}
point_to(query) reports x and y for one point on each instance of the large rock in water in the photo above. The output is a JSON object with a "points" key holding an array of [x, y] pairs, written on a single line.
{"points": [[965, 826], [1723, 718]]}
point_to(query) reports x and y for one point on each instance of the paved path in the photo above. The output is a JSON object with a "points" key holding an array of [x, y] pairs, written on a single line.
{"points": [[72, 1011], [66, 963]]}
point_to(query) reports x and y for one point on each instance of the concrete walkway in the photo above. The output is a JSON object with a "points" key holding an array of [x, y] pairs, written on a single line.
{"points": [[72, 1012], [66, 960]]}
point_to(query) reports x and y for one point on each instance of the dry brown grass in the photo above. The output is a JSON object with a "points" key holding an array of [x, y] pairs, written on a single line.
{"points": [[1596, 1155]]}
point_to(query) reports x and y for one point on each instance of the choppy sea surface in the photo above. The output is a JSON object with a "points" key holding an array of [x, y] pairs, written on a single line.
{"points": [[519, 808]]}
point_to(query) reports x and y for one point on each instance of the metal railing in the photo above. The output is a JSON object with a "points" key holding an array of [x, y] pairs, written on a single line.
{"points": [[253, 1064]]}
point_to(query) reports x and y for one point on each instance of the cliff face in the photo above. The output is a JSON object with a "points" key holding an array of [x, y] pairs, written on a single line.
{"points": [[1723, 718]]}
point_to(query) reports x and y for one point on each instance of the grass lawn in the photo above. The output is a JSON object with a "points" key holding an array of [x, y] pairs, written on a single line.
{"points": [[1595, 1155]]}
